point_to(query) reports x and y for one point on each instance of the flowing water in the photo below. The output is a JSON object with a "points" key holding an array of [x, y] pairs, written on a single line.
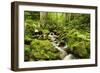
{"points": [[64, 55]]}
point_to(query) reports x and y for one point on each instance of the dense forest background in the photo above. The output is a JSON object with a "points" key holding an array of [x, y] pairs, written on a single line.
{"points": [[70, 29]]}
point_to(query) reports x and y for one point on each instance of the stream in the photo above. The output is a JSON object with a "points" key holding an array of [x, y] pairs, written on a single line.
{"points": [[64, 55]]}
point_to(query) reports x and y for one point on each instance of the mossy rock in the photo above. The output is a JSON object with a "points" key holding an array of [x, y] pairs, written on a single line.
{"points": [[79, 50], [44, 50]]}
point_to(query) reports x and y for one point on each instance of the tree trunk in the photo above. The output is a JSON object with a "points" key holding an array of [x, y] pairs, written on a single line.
{"points": [[43, 17]]}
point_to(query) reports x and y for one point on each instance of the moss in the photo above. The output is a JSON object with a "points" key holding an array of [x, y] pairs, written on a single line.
{"points": [[79, 50], [44, 50]]}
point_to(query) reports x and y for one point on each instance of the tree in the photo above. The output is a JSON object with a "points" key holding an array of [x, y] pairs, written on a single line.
{"points": [[43, 18]]}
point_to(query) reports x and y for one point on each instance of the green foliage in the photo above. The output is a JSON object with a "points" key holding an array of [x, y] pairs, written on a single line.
{"points": [[29, 28], [27, 52], [75, 27], [31, 15], [43, 50], [79, 44], [27, 40], [45, 31]]}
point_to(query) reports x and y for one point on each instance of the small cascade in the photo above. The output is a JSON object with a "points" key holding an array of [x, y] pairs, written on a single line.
{"points": [[68, 57], [64, 55]]}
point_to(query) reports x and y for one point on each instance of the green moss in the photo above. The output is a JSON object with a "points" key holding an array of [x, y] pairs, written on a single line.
{"points": [[79, 50], [44, 50]]}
